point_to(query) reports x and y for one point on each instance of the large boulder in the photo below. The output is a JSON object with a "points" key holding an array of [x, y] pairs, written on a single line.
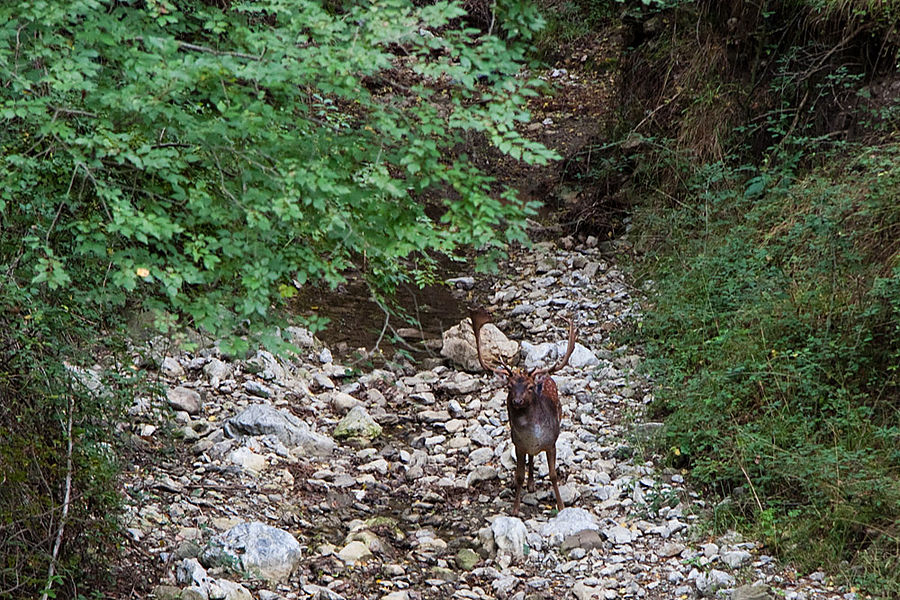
{"points": [[265, 419], [264, 551], [459, 346]]}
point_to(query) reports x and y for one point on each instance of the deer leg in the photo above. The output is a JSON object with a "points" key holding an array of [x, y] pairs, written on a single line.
{"points": [[520, 478], [551, 461], [531, 458]]}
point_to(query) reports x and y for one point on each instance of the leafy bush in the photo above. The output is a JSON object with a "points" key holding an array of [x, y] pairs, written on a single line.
{"points": [[200, 161], [774, 333]]}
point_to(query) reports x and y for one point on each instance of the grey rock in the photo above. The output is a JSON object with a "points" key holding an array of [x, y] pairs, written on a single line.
{"points": [[194, 593], [481, 456], [466, 559], [223, 589], [459, 346], [460, 383], [260, 549], [670, 549], [264, 419], [341, 402], [509, 536], [710, 583], [217, 371], [587, 539], [357, 423], [301, 337], [736, 558], [182, 398], [170, 367], [568, 522], [355, 552], [464, 283], [482, 473], [269, 368], [166, 592], [620, 535], [751, 592], [325, 356], [190, 572], [254, 388], [546, 354]]}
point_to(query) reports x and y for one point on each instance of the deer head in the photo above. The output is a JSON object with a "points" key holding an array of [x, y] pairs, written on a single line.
{"points": [[524, 386]]}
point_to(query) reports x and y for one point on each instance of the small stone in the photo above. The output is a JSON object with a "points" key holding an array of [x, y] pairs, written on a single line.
{"points": [[587, 539], [248, 460], [509, 536], [482, 473], [709, 583], [670, 549], [751, 592], [620, 535], [260, 549], [466, 559], [481, 456], [736, 558], [182, 398], [568, 522], [254, 388], [354, 553], [170, 367], [710, 550], [166, 592], [357, 423]]}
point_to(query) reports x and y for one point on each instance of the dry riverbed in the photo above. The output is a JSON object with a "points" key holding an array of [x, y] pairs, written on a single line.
{"points": [[298, 478]]}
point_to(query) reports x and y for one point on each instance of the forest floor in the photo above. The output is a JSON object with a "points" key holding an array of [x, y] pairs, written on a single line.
{"points": [[418, 507]]}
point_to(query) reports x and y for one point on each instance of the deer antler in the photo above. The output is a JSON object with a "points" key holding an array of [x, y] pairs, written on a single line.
{"points": [[480, 318], [565, 359]]}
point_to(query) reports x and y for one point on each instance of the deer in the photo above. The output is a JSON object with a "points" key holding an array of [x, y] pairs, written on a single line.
{"points": [[534, 410]]}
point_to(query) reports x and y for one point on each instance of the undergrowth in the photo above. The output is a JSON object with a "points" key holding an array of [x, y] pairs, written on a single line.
{"points": [[759, 147], [775, 329]]}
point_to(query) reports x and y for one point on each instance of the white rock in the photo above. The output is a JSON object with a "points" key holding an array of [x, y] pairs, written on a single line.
{"points": [[509, 536], [459, 346], [248, 460], [354, 553], [736, 559], [620, 535], [568, 522], [260, 549], [709, 583], [222, 589]]}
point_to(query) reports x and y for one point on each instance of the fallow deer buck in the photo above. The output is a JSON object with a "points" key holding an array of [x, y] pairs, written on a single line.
{"points": [[532, 404]]}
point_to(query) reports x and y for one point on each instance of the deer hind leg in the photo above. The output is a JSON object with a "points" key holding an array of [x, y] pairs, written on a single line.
{"points": [[520, 478], [531, 458], [551, 462]]}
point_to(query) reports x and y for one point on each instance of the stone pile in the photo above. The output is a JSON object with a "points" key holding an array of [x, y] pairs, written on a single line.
{"points": [[290, 478]]}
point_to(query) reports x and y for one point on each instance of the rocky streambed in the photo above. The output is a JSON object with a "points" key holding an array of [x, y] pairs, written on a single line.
{"points": [[299, 478]]}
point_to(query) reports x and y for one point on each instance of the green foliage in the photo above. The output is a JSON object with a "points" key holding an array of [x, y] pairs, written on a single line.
{"points": [[199, 162], [222, 153], [774, 334]]}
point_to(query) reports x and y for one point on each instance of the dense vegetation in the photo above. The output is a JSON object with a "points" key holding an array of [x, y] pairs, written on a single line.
{"points": [[759, 150], [197, 162]]}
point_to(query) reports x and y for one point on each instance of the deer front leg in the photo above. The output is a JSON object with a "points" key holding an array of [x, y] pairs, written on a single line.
{"points": [[531, 458], [520, 478], [551, 461]]}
